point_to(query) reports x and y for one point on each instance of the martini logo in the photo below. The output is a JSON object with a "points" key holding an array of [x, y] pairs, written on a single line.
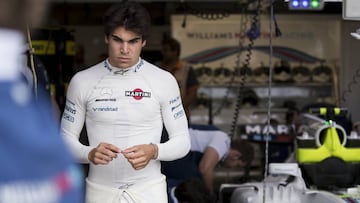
{"points": [[264, 129], [137, 94], [259, 132]]}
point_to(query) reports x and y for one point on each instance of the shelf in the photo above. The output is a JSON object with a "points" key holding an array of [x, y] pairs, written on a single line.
{"points": [[277, 90], [252, 85], [219, 101]]}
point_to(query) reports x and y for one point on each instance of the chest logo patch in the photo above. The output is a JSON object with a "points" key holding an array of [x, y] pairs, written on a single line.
{"points": [[137, 94], [106, 91]]}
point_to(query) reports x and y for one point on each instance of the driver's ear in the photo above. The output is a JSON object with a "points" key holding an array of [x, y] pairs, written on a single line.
{"points": [[106, 39], [143, 43]]}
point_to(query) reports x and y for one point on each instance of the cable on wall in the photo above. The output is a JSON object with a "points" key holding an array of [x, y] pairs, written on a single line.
{"points": [[243, 27], [350, 86], [269, 102], [252, 34]]}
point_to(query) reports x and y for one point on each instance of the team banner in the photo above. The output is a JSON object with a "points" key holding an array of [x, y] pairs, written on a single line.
{"points": [[307, 39]]}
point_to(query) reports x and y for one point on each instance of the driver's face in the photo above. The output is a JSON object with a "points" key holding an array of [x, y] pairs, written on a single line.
{"points": [[124, 47]]}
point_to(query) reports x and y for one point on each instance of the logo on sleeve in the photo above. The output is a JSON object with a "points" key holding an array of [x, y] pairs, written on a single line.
{"points": [[175, 107], [137, 94], [174, 100], [179, 114]]}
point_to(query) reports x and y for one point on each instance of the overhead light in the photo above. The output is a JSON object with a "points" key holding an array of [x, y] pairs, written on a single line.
{"points": [[306, 4]]}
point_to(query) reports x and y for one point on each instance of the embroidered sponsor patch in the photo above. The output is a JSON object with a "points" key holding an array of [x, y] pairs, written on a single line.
{"points": [[176, 99], [121, 71], [179, 114], [138, 66], [137, 94], [68, 117], [175, 107], [106, 91], [70, 109], [105, 100], [105, 109]]}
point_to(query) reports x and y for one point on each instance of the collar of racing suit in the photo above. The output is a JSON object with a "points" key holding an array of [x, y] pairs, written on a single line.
{"points": [[124, 71]]}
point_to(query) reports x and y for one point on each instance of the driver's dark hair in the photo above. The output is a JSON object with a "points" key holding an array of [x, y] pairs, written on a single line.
{"points": [[130, 15]]}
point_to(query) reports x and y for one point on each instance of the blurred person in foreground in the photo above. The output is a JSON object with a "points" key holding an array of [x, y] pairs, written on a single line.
{"points": [[36, 166], [124, 102]]}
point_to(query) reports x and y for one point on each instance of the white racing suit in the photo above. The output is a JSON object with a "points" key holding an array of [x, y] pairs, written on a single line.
{"points": [[126, 107]]}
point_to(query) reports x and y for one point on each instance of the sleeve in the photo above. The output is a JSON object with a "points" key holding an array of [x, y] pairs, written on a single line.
{"points": [[220, 142], [73, 118], [175, 122]]}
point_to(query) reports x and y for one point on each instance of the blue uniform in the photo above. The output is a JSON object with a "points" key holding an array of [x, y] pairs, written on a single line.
{"points": [[35, 164]]}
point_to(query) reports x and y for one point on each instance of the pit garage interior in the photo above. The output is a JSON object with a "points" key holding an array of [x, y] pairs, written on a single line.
{"points": [[257, 62]]}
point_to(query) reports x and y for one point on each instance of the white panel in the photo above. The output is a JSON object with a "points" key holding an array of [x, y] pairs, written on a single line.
{"points": [[351, 10]]}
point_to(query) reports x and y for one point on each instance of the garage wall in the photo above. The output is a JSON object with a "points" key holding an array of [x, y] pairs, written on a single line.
{"points": [[349, 82]]}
